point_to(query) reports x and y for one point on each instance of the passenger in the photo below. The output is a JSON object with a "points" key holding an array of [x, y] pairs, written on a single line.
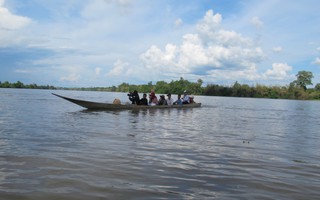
{"points": [[178, 101], [162, 100], [134, 97], [116, 101], [169, 99], [186, 98], [153, 100], [144, 100], [191, 98]]}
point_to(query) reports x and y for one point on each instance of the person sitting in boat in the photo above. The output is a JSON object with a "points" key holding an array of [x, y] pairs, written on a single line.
{"points": [[186, 98], [144, 100], [169, 99], [191, 99], [153, 100], [162, 100], [117, 101], [134, 97], [178, 101]]}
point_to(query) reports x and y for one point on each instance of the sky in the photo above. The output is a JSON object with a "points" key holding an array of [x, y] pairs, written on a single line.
{"points": [[101, 43]]}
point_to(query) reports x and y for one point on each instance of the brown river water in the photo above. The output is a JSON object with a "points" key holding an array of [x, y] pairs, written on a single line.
{"points": [[230, 148]]}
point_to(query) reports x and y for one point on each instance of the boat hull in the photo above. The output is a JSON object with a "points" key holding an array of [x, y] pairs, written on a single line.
{"points": [[109, 106]]}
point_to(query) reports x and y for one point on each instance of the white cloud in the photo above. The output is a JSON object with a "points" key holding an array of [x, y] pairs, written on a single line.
{"points": [[316, 61], [210, 48], [246, 74], [11, 27], [256, 22], [279, 71], [192, 53], [277, 49], [121, 2], [210, 22], [9, 21], [23, 71], [178, 22], [71, 78], [98, 70], [93, 33], [119, 68]]}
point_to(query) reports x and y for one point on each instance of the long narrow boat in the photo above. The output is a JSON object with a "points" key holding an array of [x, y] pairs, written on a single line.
{"points": [[110, 106]]}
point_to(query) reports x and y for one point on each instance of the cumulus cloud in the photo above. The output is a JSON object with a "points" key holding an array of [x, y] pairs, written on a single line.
{"points": [[245, 74], [210, 48], [97, 35], [118, 69], [316, 61], [9, 21], [279, 71], [11, 27], [210, 23]]}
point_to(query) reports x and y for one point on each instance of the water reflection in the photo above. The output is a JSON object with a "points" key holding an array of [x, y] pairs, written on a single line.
{"points": [[227, 149]]}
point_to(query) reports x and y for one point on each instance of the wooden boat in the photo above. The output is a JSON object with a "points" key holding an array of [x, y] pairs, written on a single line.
{"points": [[110, 106]]}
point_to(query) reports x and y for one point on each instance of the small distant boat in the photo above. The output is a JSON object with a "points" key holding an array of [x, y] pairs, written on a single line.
{"points": [[110, 106]]}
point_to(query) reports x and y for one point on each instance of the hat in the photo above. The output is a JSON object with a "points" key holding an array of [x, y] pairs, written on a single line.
{"points": [[185, 91], [168, 94]]}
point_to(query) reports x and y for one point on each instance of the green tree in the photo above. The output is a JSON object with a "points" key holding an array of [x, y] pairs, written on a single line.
{"points": [[211, 90], [261, 91], [236, 89], [18, 84], [6, 84], [162, 87], [317, 87], [196, 87], [304, 78], [123, 87]]}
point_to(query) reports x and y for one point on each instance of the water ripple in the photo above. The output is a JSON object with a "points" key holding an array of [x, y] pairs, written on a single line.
{"points": [[228, 149]]}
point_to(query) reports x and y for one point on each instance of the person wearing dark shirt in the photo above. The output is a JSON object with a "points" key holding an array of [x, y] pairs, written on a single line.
{"points": [[144, 100], [162, 100], [134, 97]]}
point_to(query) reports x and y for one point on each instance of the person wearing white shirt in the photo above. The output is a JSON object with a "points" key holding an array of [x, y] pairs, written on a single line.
{"points": [[169, 100], [186, 98]]}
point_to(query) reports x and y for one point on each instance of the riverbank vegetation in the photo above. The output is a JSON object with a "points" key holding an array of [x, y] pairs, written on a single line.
{"points": [[19, 84], [295, 90]]}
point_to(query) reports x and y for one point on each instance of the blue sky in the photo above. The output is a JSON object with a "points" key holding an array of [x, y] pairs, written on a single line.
{"points": [[79, 43]]}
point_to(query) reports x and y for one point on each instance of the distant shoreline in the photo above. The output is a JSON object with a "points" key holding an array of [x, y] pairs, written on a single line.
{"points": [[195, 88]]}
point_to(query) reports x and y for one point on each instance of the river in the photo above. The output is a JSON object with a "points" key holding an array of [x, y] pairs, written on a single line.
{"points": [[230, 148]]}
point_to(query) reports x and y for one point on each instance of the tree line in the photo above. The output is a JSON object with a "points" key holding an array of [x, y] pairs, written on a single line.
{"points": [[19, 84], [295, 90]]}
